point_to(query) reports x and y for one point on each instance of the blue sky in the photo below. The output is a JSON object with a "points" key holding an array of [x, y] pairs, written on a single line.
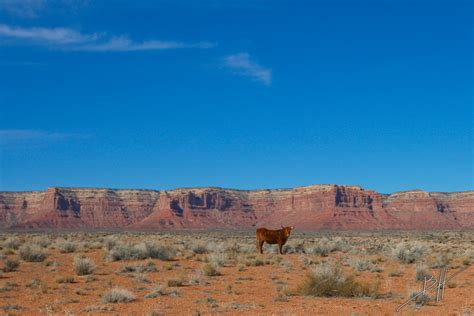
{"points": [[239, 94]]}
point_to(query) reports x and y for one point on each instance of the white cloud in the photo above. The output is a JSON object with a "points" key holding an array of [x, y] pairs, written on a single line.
{"points": [[69, 39], [124, 44], [58, 36], [242, 64], [15, 136]]}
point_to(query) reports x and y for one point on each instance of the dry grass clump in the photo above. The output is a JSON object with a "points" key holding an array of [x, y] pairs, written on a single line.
{"points": [[325, 246], [160, 252], [254, 262], [42, 241], [118, 295], [8, 286], [441, 260], [409, 252], [295, 247], [140, 268], [422, 272], [210, 270], [328, 280], [10, 265], [218, 259], [396, 272], [128, 252], [84, 266], [421, 300], [141, 251], [65, 279], [66, 246], [32, 253], [10, 307], [156, 291], [12, 243], [175, 282], [110, 242], [98, 308], [199, 248], [364, 265]]}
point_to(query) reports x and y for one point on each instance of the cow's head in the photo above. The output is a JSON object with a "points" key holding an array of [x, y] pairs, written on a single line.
{"points": [[287, 230]]}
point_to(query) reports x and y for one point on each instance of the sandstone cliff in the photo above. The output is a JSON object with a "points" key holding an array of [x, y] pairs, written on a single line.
{"points": [[312, 207]]}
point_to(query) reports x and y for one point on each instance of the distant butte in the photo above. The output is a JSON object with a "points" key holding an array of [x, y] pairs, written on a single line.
{"points": [[317, 207]]}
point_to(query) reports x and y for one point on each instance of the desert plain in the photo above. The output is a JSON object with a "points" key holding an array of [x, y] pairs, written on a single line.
{"points": [[221, 273]]}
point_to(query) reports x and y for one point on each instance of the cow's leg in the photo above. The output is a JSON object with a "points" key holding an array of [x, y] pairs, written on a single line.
{"points": [[260, 246], [281, 248]]}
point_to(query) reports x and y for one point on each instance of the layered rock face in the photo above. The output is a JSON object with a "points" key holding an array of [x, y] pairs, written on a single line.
{"points": [[308, 208]]}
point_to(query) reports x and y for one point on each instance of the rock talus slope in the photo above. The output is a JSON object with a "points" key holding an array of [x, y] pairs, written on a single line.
{"points": [[312, 207]]}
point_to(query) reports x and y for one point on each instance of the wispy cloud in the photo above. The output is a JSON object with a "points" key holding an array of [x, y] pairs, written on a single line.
{"points": [[242, 65], [35, 8], [17, 136], [124, 44], [23, 8], [73, 40], [7, 63], [58, 36]]}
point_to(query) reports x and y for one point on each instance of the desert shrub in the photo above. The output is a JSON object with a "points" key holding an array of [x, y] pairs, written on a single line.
{"points": [[218, 247], [329, 280], [128, 252], [155, 291], [174, 282], [110, 242], [12, 243], [199, 248], [364, 265], [397, 272], [218, 259], [323, 247], [9, 307], [294, 247], [441, 260], [196, 278], [84, 265], [141, 251], [254, 262], [160, 252], [409, 252], [168, 266], [420, 300], [98, 308], [65, 279], [245, 248], [141, 277], [422, 272], [210, 270], [118, 295], [90, 245], [11, 265], [32, 253], [8, 286], [66, 246], [140, 268], [42, 241]]}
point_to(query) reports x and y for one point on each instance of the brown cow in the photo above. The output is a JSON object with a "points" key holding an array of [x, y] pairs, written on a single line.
{"points": [[272, 237]]}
